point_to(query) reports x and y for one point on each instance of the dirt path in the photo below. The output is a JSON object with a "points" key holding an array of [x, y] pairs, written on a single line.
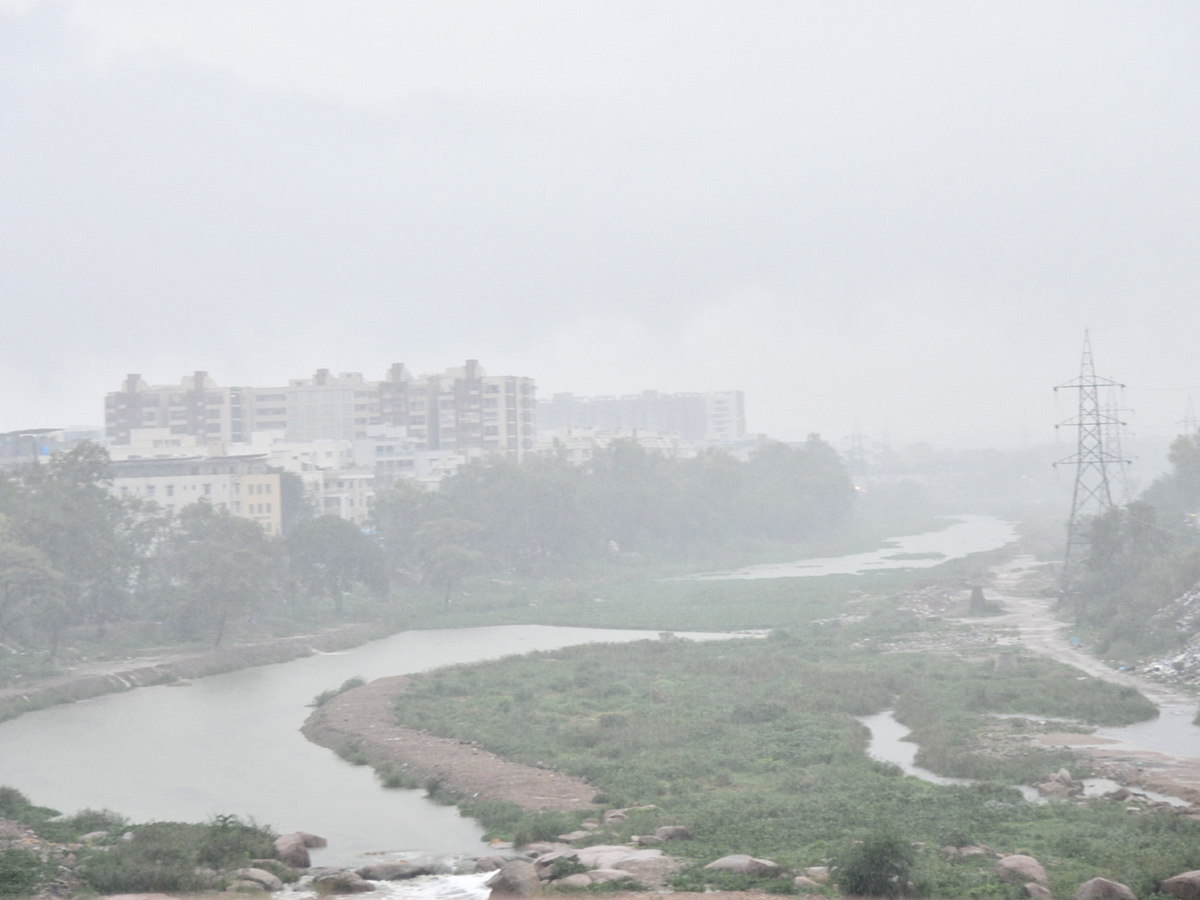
{"points": [[362, 718], [1162, 755]]}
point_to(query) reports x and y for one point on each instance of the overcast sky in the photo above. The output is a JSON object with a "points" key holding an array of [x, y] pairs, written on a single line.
{"points": [[900, 213]]}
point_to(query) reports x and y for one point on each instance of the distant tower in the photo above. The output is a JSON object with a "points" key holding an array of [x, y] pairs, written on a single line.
{"points": [[1093, 456], [1113, 427]]}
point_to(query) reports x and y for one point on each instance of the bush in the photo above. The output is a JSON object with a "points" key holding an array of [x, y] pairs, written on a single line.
{"points": [[879, 866], [21, 871], [348, 685]]}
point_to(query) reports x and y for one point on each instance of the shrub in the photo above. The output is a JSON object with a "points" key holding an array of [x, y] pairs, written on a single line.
{"points": [[21, 871], [879, 866], [348, 685]]}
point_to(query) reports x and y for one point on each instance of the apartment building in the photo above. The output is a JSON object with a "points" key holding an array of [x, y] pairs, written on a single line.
{"points": [[240, 484], [462, 408], [713, 417]]}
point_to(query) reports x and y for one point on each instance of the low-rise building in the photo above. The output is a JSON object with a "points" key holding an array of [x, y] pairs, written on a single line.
{"points": [[243, 485]]}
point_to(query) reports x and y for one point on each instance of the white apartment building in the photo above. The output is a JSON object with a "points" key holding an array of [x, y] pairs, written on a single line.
{"points": [[240, 484]]}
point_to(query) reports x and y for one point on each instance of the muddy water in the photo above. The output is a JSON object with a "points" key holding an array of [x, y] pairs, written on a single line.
{"points": [[231, 744]]}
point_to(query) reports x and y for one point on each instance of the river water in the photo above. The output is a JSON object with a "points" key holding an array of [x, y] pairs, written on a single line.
{"points": [[966, 535], [231, 743]]}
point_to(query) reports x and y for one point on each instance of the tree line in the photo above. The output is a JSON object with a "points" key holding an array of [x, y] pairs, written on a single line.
{"points": [[1142, 557], [76, 559]]}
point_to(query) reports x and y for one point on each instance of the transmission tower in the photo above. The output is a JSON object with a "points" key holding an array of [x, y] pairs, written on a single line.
{"points": [[1093, 456], [1114, 426]]}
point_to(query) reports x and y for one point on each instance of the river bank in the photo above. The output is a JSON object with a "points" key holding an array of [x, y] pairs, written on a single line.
{"points": [[363, 720], [110, 677]]}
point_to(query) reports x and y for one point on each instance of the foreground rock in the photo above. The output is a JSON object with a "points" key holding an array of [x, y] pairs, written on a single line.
{"points": [[392, 871], [1020, 869], [1103, 889], [261, 877], [516, 878], [1185, 886], [742, 864], [342, 881], [293, 848]]}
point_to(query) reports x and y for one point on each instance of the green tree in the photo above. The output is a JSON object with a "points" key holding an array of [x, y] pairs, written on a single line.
{"points": [[329, 556], [31, 591]]}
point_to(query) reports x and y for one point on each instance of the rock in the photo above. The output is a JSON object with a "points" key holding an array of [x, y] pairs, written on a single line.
{"points": [[93, 836], [537, 848], [803, 881], [1185, 886], [647, 840], [291, 849], [971, 852], [342, 881], [948, 852], [1019, 869], [260, 877], [516, 878], [1103, 889], [399, 870], [572, 836], [1036, 891], [1062, 776], [602, 876], [673, 833], [615, 815], [575, 881], [819, 874], [311, 841], [242, 886], [609, 856], [1055, 789], [489, 863], [1118, 794], [742, 864]]}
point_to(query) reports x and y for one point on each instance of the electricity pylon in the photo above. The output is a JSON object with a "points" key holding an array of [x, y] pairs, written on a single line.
{"points": [[1093, 455]]}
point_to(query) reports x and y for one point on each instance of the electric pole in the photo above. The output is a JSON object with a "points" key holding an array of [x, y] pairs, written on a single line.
{"points": [[1092, 495]]}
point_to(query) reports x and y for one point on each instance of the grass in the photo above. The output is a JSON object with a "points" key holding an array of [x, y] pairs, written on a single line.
{"points": [[348, 685], [754, 745]]}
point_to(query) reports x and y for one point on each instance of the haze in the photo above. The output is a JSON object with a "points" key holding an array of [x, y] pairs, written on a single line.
{"points": [[901, 213]]}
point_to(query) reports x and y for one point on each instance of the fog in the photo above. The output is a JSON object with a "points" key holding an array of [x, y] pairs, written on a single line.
{"points": [[901, 214]]}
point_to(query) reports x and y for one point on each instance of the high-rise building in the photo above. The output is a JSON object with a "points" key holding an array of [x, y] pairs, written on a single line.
{"points": [[713, 417], [460, 409]]}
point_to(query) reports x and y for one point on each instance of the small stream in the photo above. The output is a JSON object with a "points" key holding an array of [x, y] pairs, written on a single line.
{"points": [[888, 744]]}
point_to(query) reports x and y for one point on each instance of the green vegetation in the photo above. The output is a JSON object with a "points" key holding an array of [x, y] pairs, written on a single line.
{"points": [[754, 745], [348, 685], [877, 866], [1143, 557]]}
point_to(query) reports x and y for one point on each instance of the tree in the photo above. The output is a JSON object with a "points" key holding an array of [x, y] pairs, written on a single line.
{"points": [[31, 591], [222, 565], [330, 555]]}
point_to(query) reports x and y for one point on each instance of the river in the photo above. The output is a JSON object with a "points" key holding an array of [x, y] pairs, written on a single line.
{"points": [[231, 743], [965, 535]]}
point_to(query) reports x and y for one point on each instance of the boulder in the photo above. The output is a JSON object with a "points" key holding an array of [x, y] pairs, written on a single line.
{"points": [[615, 815], [1103, 889], [647, 840], [516, 878], [261, 877], [572, 836], [312, 841], [92, 836], [1185, 886], [803, 881], [1019, 869], [242, 886], [971, 852], [1035, 891], [743, 864], [399, 870], [673, 833], [1062, 776], [1055, 789], [819, 874], [489, 863], [342, 881], [613, 856], [600, 876], [575, 881], [291, 849]]}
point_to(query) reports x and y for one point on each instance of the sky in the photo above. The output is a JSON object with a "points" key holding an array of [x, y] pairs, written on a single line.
{"points": [[900, 215]]}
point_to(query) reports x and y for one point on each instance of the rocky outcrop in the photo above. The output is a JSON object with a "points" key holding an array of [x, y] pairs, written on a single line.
{"points": [[341, 881], [292, 849], [673, 833], [1185, 886], [1103, 889], [516, 878], [261, 877], [1020, 869], [743, 864]]}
